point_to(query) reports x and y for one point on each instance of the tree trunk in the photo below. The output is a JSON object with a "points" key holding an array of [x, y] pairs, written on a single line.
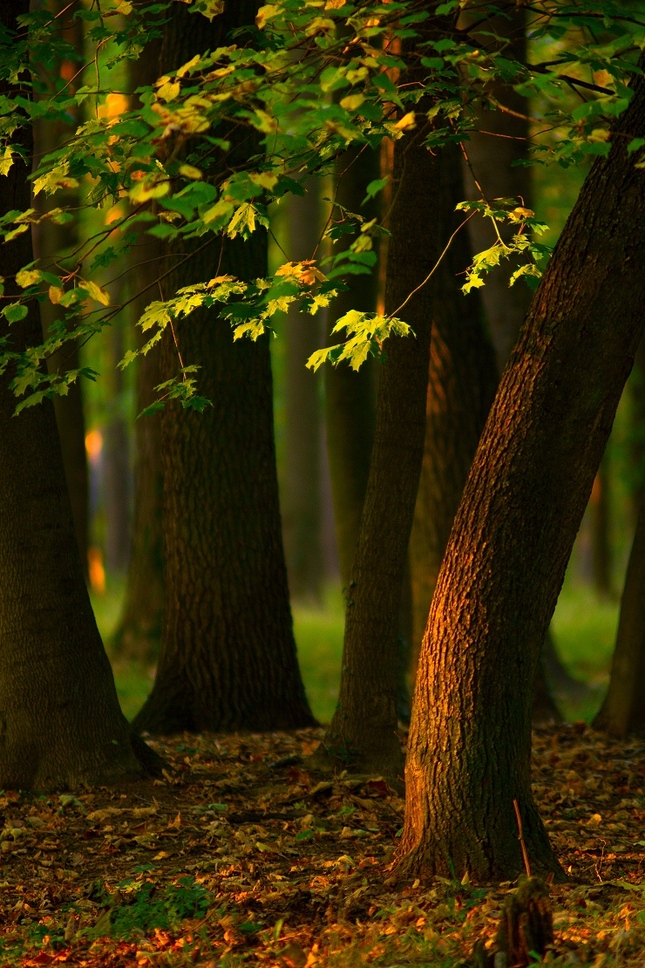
{"points": [[601, 557], [461, 386], [470, 737], [623, 711], [301, 516], [497, 151], [139, 631], [350, 395], [362, 735], [227, 659], [52, 244], [60, 722], [116, 450]]}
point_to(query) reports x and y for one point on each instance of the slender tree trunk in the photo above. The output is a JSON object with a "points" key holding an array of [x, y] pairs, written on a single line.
{"points": [[228, 658], [301, 514], [60, 722], [601, 556], [350, 395], [470, 737], [461, 386], [52, 244], [117, 491], [623, 711], [139, 631], [362, 734], [497, 151]]}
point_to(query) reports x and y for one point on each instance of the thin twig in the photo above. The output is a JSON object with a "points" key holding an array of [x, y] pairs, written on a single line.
{"points": [[520, 837]]}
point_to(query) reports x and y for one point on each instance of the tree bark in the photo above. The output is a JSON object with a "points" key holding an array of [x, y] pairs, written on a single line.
{"points": [[301, 516], [52, 244], [461, 386], [497, 151], [227, 659], [350, 395], [362, 735], [139, 631], [623, 710], [60, 722], [470, 737]]}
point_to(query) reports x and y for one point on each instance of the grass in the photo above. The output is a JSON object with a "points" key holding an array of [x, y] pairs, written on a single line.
{"points": [[584, 628]]}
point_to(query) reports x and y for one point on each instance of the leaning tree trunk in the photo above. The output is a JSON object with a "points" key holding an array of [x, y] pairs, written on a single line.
{"points": [[362, 735], [470, 737], [623, 711], [228, 657], [61, 725]]}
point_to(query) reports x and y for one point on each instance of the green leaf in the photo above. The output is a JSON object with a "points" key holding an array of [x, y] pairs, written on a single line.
{"points": [[14, 312]]}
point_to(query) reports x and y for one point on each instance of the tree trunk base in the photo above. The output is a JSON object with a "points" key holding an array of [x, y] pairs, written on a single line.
{"points": [[337, 754]]}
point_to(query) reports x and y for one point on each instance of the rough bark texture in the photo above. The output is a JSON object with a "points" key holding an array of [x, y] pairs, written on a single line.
{"points": [[301, 503], [461, 386], [362, 734], [228, 658], [623, 711], [60, 722], [470, 737]]}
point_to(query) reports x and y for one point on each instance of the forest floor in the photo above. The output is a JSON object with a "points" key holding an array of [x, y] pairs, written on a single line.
{"points": [[240, 857]]}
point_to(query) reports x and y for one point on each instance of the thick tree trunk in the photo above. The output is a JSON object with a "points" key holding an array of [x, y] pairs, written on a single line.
{"points": [[228, 658], [461, 386], [623, 711], [60, 722], [301, 504], [497, 152], [362, 735], [470, 737]]}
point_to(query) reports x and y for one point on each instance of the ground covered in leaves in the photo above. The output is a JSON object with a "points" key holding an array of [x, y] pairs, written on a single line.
{"points": [[241, 857]]}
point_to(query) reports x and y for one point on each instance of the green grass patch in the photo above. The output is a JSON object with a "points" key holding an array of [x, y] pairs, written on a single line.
{"points": [[584, 628]]}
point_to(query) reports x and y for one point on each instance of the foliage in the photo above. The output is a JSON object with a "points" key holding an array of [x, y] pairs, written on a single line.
{"points": [[306, 81]]}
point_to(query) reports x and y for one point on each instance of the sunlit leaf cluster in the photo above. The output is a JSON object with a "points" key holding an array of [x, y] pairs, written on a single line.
{"points": [[211, 146]]}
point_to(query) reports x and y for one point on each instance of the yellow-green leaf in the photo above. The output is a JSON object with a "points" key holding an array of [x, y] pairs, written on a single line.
{"points": [[352, 102], [189, 171], [96, 292], [27, 277], [6, 161]]}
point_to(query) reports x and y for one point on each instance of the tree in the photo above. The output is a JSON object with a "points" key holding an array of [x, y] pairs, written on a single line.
{"points": [[461, 385], [623, 710], [362, 734], [470, 737], [227, 659], [61, 722], [54, 244], [301, 504]]}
